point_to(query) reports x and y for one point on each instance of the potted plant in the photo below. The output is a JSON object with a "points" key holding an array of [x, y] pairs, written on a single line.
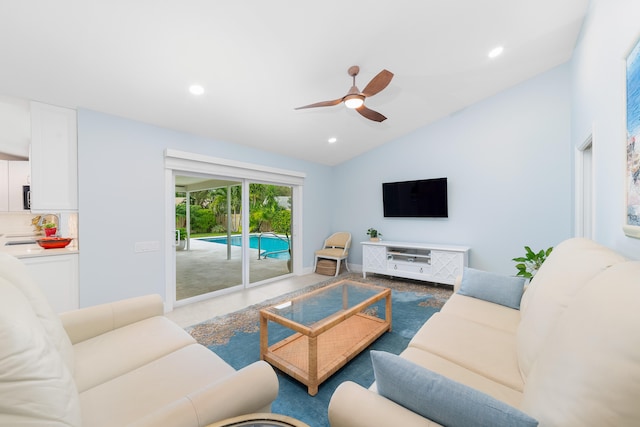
{"points": [[529, 264], [181, 239], [374, 235], [50, 229]]}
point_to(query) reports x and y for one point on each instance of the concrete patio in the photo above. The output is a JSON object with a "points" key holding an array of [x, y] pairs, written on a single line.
{"points": [[205, 268]]}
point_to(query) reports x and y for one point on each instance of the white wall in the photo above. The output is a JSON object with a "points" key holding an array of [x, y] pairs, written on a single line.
{"points": [[610, 30], [121, 201], [508, 164]]}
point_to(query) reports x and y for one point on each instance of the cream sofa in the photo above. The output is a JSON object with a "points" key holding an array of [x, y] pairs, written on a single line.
{"points": [[570, 356], [119, 364]]}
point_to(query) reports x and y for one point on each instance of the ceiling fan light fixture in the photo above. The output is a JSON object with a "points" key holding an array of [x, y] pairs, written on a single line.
{"points": [[353, 101]]}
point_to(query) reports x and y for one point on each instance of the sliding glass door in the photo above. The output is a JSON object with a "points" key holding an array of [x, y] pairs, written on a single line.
{"points": [[230, 225], [214, 251], [208, 232], [270, 231]]}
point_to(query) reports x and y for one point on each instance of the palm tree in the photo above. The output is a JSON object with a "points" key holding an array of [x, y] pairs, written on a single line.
{"points": [[219, 203], [263, 206]]}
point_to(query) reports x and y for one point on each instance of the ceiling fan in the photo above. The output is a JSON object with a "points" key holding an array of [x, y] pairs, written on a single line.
{"points": [[355, 99]]}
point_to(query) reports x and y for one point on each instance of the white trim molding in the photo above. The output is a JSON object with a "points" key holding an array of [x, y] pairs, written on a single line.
{"points": [[181, 160]]}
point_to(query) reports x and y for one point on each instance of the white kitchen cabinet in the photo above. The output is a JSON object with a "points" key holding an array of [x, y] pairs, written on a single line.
{"points": [[19, 176], [421, 261], [54, 158], [14, 174], [57, 277]]}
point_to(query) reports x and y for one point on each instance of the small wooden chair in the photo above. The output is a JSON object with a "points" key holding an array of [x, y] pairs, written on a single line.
{"points": [[336, 247]]}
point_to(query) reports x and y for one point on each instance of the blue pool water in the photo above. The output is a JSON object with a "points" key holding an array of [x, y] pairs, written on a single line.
{"points": [[272, 246]]}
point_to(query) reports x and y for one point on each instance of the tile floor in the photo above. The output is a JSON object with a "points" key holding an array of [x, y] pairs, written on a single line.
{"points": [[191, 314]]}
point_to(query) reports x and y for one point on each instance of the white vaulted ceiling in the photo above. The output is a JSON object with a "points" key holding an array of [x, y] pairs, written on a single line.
{"points": [[257, 60]]}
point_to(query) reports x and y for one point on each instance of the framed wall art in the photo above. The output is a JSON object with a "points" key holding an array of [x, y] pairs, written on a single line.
{"points": [[632, 208]]}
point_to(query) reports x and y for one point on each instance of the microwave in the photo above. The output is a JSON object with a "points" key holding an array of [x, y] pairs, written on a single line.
{"points": [[26, 197]]}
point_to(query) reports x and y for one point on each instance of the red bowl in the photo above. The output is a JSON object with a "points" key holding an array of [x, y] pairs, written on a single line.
{"points": [[54, 242]]}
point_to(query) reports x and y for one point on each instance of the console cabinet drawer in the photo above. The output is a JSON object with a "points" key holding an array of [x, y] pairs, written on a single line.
{"points": [[410, 267]]}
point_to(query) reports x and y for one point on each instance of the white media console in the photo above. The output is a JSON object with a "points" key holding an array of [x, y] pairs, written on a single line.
{"points": [[420, 261]]}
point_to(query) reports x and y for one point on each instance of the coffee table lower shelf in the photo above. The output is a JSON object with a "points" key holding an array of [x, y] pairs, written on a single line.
{"points": [[332, 350]]}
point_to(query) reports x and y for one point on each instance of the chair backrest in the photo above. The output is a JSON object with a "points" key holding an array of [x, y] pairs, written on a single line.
{"points": [[341, 239]]}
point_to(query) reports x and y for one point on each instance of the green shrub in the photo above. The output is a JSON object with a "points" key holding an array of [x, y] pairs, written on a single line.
{"points": [[202, 219], [218, 228], [183, 233], [281, 221]]}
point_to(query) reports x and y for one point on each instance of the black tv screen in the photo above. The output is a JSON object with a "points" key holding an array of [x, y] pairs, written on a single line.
{"points": [[418, 199]]}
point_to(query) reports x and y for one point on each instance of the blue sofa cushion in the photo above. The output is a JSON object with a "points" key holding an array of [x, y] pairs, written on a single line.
{"points": [[496, 288], [440, 399]]}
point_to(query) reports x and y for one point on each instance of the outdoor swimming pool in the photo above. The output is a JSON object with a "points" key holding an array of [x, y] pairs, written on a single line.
{"points": [[273, 247]]}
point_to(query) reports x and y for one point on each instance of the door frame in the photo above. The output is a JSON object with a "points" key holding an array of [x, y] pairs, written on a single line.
{"points": [[177, 162], [584, 188]]}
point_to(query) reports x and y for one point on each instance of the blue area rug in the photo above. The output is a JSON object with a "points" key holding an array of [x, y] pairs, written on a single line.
{"points": [[236, 339]]}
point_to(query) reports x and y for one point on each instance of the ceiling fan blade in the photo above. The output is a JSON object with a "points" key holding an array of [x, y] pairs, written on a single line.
{"points": [[370, 114], [379, 82], [321, 104]]}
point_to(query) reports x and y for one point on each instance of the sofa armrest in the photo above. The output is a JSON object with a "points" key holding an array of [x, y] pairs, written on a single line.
{"points": [[90, 322], [354, 406], [456, 284], [251, 389]]}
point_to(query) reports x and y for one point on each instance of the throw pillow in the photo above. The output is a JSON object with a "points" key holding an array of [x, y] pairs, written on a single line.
{"points": [[440, 399], [496, 288]]}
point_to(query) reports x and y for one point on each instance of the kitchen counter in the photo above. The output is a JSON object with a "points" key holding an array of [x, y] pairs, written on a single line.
{"points": [[32, 251], [54, 271]]}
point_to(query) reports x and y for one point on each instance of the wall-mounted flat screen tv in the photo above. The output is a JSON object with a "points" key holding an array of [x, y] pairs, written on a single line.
{"points": [[417, 199]]}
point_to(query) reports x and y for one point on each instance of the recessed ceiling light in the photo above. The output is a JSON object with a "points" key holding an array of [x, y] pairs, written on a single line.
{"points": [[495, 52], [332, 140], [196, 89]]}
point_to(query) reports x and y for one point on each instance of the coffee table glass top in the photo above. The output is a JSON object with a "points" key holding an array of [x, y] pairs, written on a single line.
{"points": [[311, 308]]}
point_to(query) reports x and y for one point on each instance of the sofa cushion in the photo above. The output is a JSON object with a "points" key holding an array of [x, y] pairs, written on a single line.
{"points": [[353, 405], [569, 267], [462, 375], [36, 387], [439, 398], [474, 346], [189, 387], [492, 287], [16, 273], [155, 385], [484, 312], [589, 370], [122, 350]]}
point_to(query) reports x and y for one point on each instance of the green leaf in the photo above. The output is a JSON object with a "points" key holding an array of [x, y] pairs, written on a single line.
{"points": [[529, 264]]}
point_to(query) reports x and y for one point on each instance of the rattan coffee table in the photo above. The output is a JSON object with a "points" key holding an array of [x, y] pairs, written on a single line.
{"points": [[324, 329]]}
